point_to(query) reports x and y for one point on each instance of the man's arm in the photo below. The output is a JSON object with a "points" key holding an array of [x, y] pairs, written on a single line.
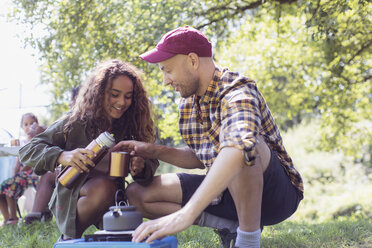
{"points": [[227, 165], [180, 157]]}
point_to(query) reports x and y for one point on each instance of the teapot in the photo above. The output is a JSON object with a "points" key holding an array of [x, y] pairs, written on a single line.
{"points": [[121, 218]]}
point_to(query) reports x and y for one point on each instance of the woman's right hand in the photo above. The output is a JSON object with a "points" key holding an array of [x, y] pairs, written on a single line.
{"points": [[78, 158]]}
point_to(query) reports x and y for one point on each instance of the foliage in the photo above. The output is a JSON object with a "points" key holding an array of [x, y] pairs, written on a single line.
{"points": [[310, 58], [79, 34], [335, 184]]}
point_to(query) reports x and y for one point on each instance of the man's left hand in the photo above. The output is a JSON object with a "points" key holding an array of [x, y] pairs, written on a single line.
{"points": [[164, 226]]}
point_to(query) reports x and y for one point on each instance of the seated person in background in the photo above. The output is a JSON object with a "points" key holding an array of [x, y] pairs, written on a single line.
{"points": [[13, 188], [113, 99], [46, 185]]}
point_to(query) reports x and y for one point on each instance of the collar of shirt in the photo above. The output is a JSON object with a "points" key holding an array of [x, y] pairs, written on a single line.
{"points": [[212, 87]]}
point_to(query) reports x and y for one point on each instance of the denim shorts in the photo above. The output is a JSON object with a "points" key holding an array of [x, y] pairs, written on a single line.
{"points": [[280, 198]]}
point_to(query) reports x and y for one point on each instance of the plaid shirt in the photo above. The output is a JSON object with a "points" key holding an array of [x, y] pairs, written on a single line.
{"points": [[231, 113]]}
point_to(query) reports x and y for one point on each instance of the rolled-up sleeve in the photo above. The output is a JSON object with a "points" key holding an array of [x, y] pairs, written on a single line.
{"points": [[240, 117]]}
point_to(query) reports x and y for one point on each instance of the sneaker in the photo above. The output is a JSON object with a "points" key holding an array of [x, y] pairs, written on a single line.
{"points": [[11, 222], [37, 216], [47, 216], [32, 217], [62, 239], [227, 238]]}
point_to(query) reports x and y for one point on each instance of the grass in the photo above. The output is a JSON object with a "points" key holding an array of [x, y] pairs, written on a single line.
{"points": [[342, 232], [335, 213]]}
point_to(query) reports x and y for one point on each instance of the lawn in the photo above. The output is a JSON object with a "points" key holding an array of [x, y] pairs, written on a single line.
{"points": [[342, 232], [336, 211]]}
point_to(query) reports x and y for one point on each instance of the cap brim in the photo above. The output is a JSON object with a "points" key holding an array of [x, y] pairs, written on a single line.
{"points": [[156, 56]]}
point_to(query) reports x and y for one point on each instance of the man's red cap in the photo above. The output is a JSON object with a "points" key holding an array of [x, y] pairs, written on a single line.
{"points": [[183, 40]]}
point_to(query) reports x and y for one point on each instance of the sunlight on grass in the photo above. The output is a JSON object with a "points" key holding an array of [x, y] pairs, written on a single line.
{"points": [[345, 232]]}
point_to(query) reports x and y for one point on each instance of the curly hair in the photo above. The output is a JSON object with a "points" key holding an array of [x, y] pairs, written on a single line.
{"points": [[135, 123]]}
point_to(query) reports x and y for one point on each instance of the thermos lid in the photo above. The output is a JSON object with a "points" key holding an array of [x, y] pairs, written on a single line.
{"points": [[106, 139]]}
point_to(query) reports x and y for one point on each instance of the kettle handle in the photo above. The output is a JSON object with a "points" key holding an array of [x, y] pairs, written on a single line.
{"points": [[124, 201]]}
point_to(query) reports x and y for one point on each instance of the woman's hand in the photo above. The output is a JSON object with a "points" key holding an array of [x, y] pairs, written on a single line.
{"points": [[77, 158], [136, 166], [164, 226], [143, 149]]}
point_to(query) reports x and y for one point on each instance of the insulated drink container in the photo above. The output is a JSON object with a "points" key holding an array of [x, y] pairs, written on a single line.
{"points": [[70, 176]]}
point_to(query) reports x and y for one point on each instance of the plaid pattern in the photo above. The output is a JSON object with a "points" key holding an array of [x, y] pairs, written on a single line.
{"points": [[231, 113]]}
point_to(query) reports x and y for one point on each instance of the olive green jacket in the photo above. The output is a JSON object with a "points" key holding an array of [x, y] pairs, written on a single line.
{"points": [[42, 154]]}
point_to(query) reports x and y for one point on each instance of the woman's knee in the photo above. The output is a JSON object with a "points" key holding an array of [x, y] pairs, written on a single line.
{"points": [[100, 190]]}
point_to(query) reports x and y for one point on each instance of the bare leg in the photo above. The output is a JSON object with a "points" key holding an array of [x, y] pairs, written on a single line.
{"points": [[247, 187], [96, 196], [44, 192], [12, 205], [162, 197], [4, 207]]}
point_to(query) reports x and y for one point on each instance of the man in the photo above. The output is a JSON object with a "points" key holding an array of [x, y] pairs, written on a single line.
{"points": [[230, 131]]}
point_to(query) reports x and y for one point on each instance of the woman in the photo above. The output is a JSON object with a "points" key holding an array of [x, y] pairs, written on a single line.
{"points": [[13, 188], [113, 99]]}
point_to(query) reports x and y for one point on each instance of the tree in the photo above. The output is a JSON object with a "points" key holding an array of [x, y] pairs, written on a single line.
{"points": [[312, 62], [311, 56], [79, 34]]}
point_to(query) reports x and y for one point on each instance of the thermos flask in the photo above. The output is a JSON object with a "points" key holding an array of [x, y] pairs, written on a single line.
{"points": [[70, 176]]}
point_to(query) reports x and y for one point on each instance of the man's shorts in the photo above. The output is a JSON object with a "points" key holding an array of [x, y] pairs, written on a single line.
{"points": [[279, 201]]}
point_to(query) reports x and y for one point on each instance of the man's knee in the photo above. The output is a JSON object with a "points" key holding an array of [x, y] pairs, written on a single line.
{"points": [[134, 193], [108, 189], [263, 153]]}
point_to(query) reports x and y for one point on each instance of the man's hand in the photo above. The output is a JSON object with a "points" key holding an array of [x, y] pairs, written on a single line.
{"points": [[164, 226], [136, 148], [180, 157], [77, 158]]}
